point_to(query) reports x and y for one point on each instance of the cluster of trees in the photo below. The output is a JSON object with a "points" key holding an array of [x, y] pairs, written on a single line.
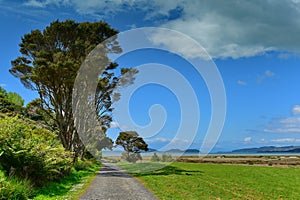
{"points": [[39, 142], [164, 158], [10, 101], [49, 63]]}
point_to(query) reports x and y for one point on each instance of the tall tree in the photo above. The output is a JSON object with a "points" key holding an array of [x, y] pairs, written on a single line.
{"points": [[49, 64], [132, 144]]}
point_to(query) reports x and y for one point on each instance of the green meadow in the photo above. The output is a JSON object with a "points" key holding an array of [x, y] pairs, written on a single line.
{"points": [[216, 181]]}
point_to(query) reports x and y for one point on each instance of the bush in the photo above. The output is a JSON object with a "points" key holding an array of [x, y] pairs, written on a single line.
{"points": [[166, 157], [29, 152], [131, 157], [83, 165], [14, 189], [155, 158]]}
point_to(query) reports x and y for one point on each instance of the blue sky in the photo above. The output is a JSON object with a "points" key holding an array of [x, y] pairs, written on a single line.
{"points": [[254, 44]]}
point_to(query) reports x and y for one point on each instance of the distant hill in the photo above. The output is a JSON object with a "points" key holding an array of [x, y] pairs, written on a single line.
{"points": [[269, 149], [174, 151], [192, 151], [183, 151]]}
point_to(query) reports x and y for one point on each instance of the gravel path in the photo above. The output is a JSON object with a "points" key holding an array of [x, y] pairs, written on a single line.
{"points": [[112, 183]]}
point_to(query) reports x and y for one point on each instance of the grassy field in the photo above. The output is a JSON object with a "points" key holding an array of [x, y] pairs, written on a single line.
{"points": [[216, 181]]}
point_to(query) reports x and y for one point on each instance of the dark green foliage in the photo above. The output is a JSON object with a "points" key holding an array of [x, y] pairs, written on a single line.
{"points": [[35, 111], [132, 144], [32, 153]]}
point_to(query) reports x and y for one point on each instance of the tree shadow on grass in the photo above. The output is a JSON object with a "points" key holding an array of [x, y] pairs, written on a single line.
{"points": [[147, 169]]}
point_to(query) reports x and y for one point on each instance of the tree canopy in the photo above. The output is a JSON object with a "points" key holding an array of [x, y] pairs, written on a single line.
{"points": [[132, 144], [10, 102], [49, 64]]}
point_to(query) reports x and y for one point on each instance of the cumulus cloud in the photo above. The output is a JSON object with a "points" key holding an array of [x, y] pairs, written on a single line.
{"points": [[296, 110], [224, 28], [241, 82], [180, 44], [2, 85]]}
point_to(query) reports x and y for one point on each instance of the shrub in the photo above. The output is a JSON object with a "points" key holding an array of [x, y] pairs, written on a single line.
{"points": [[166, 157], [131, 157], [83, 165], [29, 152], [155, 158]]}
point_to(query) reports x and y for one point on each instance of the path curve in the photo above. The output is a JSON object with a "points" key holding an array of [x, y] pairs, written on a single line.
{"points": [[113, 183]]}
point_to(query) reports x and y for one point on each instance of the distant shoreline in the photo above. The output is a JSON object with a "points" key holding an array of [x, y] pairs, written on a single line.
{"points": [[119, 153]]}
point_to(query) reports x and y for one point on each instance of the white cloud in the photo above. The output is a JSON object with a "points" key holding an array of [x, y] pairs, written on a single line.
{"points": [[224, 28], [286, 140], [173, 143], [238, 29], [35, 3], [284, 56], [3, 85], [179, 44], [154, 140], [247, 139], [241, 82], [283, 125], [114, 125], [267, 74], [296, 110], [42, 4]]}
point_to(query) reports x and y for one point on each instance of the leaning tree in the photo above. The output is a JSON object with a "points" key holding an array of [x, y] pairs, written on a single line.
{"points": [[49, 62], [133, 144]]}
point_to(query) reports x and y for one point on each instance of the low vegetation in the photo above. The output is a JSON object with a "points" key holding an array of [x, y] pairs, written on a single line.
{"points": [[216, 181], [73, 185], [165, 157], [34, 164], [30, 152]]}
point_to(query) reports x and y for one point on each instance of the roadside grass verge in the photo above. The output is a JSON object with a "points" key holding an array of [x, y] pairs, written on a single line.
{"points": [[73, 185], [216, 181]]}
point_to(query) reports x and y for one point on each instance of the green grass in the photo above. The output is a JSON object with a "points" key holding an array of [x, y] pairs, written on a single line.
{"points": [[213, 181], [72, 186], [13, 188]]}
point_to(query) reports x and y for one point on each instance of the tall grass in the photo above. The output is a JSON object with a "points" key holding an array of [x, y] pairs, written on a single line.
{"points": [[12, 188]]}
